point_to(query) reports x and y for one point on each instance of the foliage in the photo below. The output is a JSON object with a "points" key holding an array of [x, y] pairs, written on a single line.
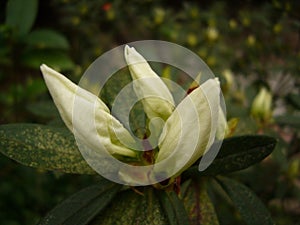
{"points": [[24, 48], [26, 146]]}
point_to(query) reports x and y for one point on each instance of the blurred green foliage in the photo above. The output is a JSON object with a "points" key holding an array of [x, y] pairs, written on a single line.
{"points": [[249, 45], [23, 48]]}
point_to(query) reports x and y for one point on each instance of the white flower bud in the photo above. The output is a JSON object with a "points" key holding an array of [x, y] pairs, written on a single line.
{"points": [[191, 129], [148, 86], [64, 91]]}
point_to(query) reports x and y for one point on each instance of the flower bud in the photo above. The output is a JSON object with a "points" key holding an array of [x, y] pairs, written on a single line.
{"points": [[191, 129], [148, 86], [261, 106], [108, 128]]}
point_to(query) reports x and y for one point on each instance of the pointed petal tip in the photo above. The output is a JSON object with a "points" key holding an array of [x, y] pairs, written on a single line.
{"points": [[50, 75], [214, 82], [46, 69], [132, 56], [128, 50], [43, 67], [217, 80]]}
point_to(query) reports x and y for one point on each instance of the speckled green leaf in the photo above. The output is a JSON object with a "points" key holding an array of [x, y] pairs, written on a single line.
{"points": [[249, 205], [129, 207], [237, 153], [44, 147], [173, 208], [198, 205], [83, 206]]}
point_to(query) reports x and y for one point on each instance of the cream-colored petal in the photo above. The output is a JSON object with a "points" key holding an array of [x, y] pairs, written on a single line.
{"points": [[222, 129], [148, 86], [102, 127], [190, 130], [63, 92]]}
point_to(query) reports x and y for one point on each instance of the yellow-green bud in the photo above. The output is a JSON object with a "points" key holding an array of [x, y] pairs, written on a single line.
{"points": [[261, 108]]}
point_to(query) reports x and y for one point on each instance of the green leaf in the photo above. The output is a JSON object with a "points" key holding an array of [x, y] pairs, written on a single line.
{"points": [[43, 147], [45, 38], [129, 207], [295, 100], [21, 15], [83, 206], [34, 87], [173, 208], [53, 58], [290, 120], [237, 153], [249, 205], [45, 109], [198, 205]]}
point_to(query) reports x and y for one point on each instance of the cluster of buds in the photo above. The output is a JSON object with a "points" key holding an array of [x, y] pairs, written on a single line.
{"points": [[182, 133]]}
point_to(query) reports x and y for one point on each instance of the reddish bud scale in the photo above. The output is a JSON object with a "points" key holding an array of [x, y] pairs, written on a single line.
{"points": [[189, 91], [148, 155]]}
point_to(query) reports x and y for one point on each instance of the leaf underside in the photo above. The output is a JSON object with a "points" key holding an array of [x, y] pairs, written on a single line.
{"points": [[129, 207]]}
